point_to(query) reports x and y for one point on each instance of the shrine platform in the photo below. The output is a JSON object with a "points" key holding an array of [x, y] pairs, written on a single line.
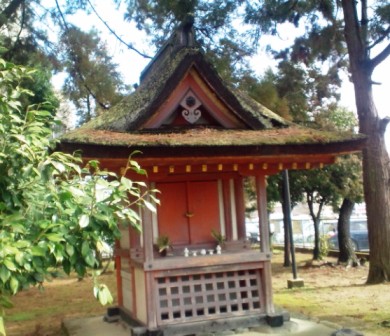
{"points": [[96, 326]]}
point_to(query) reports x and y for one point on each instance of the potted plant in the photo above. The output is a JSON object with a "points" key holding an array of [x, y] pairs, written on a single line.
{"points": [[163, 244], [219, 238]]}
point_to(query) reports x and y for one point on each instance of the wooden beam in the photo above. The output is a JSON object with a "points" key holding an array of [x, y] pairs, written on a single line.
{"points": [[178, 265], [215, 159]]}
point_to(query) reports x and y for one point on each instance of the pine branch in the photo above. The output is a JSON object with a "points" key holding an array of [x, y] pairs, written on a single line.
{"points": [[130, 46], [379, 58], [9, 11], [17, 43], [74, 58], [381, 39], [22, 21]]}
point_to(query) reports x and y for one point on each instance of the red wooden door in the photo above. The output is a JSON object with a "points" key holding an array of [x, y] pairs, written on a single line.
{"points": [[171, 213], [188, 211], [204, 205]]}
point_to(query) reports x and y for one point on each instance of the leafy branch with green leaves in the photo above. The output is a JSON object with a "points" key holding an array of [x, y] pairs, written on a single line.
{"points": [[54, 215]]}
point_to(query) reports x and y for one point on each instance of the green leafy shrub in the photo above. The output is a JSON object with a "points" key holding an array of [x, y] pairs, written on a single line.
{"points": [[54, 215]]}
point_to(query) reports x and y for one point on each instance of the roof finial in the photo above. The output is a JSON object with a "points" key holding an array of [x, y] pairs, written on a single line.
{"points": [[188, 21], [186, 34], [182, 37]]}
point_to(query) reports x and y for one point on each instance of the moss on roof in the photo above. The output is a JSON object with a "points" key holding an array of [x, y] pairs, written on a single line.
{"points": [[123, 115], [210, 137], [122, 124], [133, 110], [259, 111]]}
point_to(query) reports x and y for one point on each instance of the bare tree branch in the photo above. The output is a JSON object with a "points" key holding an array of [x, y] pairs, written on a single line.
{"points": [[9, 11], [383, 124], [130, 46], [380, 57]]}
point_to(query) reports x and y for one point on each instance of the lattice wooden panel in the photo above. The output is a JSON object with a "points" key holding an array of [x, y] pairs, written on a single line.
{"points": [[201, 296]]}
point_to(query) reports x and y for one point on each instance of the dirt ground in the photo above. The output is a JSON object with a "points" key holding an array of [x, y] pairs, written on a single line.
{"points": [[41, 312], [331, 293]]}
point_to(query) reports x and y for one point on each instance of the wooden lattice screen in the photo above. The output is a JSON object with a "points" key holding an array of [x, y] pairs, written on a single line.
{"points": [[197, 297]]}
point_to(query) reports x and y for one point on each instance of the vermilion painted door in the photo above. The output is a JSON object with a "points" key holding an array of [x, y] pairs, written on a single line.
{"points": [[172, 210], [189, 211], [204, 204]]}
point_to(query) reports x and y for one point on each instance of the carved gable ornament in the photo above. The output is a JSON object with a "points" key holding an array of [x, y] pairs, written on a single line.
{"points": [[191, 103]]}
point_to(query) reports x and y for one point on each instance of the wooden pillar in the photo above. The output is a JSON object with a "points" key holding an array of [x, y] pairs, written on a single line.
{"points": [[261, 194], [227, 209], [134, 238], [118, 267], [267, 283], [151, 301], [147, 234], [133, 244], [264, 242], [240, 207]]}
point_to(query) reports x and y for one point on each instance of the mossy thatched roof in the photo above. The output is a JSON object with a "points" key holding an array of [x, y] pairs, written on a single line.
{"points": [[211, 137], [205, 142], [122, 125], [130, 113]]}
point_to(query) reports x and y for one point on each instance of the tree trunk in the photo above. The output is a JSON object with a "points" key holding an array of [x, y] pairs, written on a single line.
{"points": [[316, 223], [376, 179], [376, 174], [316, 250], [346, 251]]}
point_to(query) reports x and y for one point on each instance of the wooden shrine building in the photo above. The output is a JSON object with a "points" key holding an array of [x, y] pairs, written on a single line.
{"points": [[199, 140]]}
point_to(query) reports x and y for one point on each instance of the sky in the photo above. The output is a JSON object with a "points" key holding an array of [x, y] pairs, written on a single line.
{"points": [[131, 64]]}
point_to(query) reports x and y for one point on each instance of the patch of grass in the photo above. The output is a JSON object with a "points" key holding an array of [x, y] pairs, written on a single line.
{"points": [[21, 316], [333, 293]]}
